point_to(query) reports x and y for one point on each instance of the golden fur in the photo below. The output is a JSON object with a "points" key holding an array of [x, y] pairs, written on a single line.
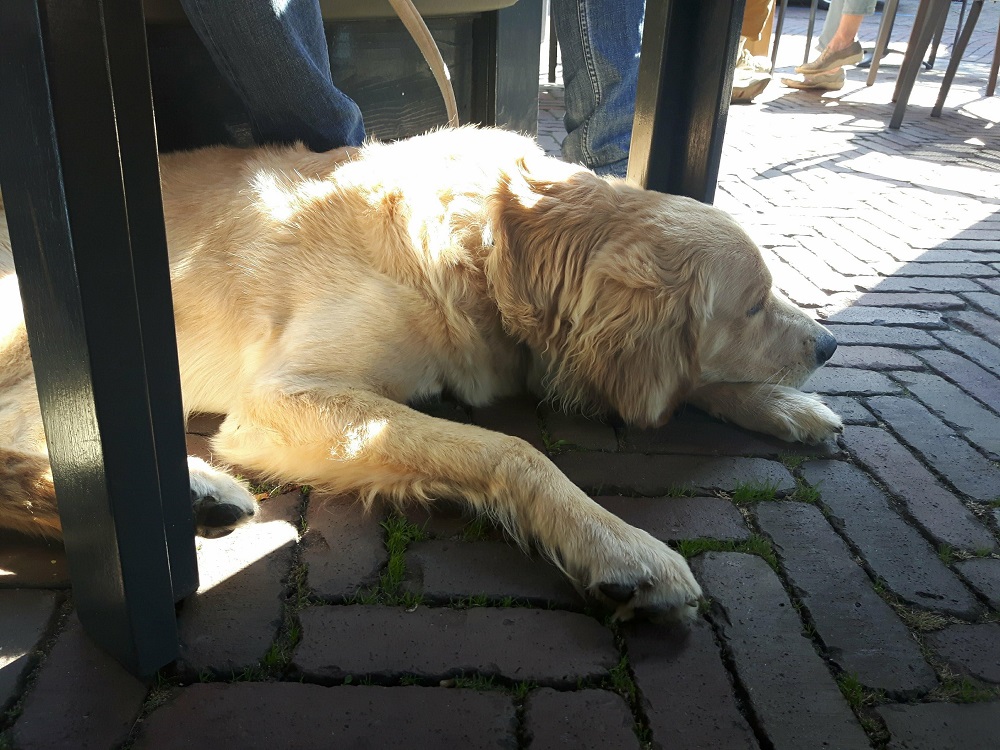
{"points": [[316, 294]]}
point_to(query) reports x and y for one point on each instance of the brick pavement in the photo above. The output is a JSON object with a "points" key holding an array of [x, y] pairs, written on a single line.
{"points": [[854, 587]]}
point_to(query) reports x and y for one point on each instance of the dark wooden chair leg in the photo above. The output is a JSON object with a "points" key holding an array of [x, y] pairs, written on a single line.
{"points": [[79, 175], [684, 89], [956, 55], [920, 39], [991, 85]]}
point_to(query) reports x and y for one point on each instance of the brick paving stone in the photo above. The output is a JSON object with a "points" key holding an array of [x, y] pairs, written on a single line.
{"points": [[577, 430], [692, 431], [626, 473], [818, 272], [517, 416], [861, 633], [902, 338], [950, 270], [973, 379], [988, 301], [81, 699], [874, 358], [942, 284], [850, 410], [970, 649], [793, 284], [344, 546], [929, 503], [200, 446], [958, 254], [30, 562], [835, 256], [794, 696], [274, 715], [913, 300], [550, 647], [25, 615], [673, 518], [579, 720], [844, 380], [981, 352], [942, 726], [449, 519], [203, 424], [449, 570], [987, 245], [232, 620], [895, 550], [687, 695], [954, 458], [979, 426], [977, 323], [888, 316], [443, 519], [983, 574]]}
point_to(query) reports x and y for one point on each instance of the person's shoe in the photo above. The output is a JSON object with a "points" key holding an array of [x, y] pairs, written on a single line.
{"points": [[752, 63], [822, 82], [746, 85], [830, 59]]}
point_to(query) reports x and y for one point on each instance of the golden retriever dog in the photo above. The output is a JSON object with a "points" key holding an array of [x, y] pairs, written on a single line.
{"points": [[317, 294]]}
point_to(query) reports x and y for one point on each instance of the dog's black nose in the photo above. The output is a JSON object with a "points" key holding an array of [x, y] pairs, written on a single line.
{"points": [[826, 345]]}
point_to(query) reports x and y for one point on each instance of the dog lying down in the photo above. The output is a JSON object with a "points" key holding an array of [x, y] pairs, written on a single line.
{"points": [[316, 294]]}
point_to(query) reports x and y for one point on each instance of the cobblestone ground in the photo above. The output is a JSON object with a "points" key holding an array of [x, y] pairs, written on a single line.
{"points": [[854, 587]]}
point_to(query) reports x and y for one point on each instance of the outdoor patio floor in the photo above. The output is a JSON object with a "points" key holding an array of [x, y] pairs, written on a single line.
{"points": [[854, 586]]}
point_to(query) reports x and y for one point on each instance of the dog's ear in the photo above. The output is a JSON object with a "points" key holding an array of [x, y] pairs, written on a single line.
{"points": [[580, 272]]}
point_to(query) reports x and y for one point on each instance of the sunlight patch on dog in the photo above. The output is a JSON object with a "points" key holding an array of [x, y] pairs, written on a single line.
{"points": [[281, 199], [357, 439]]}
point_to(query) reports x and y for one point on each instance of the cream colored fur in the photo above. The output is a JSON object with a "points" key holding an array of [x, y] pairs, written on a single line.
{"points": [[316, 294]]}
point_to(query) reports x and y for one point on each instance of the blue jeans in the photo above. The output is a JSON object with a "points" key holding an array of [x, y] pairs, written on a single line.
{"points": [[600, 41], [839, 8], [279, 64]]}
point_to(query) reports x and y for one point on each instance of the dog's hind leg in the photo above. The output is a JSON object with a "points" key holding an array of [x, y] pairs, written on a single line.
{"points": [[27, 499], [355, 440]]}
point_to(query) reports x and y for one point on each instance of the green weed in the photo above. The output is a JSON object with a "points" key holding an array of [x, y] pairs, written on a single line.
{"points": [[754, 545], [754, 492]]}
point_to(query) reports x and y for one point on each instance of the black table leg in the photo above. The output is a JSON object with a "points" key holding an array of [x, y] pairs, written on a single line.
{"points": [[685, 86], [80, 184]]}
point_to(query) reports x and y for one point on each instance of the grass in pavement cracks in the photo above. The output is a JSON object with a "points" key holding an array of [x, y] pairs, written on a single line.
{"points": [[399, 533], [755, 492], [755, 544]]}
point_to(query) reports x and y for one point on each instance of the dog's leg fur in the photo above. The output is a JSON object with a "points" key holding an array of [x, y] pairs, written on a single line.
{"points": [[355, 440], [777, 410], [27, 499]]}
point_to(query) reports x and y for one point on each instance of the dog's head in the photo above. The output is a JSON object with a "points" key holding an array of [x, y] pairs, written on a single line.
{"points": [[631, 299]]}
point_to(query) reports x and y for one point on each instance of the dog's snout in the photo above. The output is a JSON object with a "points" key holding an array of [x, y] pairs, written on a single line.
{"points": [[826, 345]]}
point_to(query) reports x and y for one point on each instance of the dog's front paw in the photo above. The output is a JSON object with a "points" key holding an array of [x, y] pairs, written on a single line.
{"points": [[806, 419], [648, 580], [220, 502]]}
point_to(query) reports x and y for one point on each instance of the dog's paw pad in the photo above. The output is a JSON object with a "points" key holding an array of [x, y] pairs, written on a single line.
{"points": [[220, 503], [619, 593]]}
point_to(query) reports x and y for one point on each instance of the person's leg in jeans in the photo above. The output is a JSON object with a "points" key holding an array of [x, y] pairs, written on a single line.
{"points": [[277, 60], [600, 41]]}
